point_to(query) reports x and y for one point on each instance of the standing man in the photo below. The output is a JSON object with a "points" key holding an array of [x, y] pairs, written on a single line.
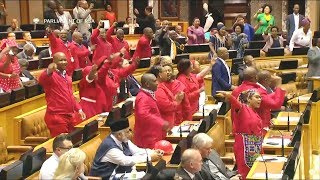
{"points": [[79, 52], [190, 166], [148, 115], [221, 77], [168, 44], [64, 17], [314, 63], [143, 49], [3, 13], [60, 44], [148, 20], [117, 154], [50, 16], [84, 19], [103, 47], [293, 21], [62, 109], [118, 43], [61, 144]]}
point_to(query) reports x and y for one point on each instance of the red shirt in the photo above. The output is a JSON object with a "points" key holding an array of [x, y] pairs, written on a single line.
{"points": [[57, 45], [8, 84], [89, 92], [103, 47], [111, 16], [269, 101], [80, 54], [143, 48], [148, 121], [192, 90], [117, 45], [59, 94]]}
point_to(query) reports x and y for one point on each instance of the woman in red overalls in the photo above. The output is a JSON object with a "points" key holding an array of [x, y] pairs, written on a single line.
{"points": [[248, 138]]}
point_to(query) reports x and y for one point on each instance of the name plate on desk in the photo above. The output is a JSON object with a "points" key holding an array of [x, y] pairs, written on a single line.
{"points": [[270, 176], [128, 176], [267, 158]]}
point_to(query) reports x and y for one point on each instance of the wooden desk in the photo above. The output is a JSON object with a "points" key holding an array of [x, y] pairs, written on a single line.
{"points": [[299, 103], [37, 41], [286, 71], [316, 81], [167, 158], [276, 149], [258, 170], [175, 136], [281, 121]]}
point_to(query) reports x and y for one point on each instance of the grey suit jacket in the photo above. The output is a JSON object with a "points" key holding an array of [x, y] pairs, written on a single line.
{"points": [[313, 65], [291, 26], [214, 157], [185, 176]]}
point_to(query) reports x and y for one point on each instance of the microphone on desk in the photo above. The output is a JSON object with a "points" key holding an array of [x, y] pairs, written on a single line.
{"points": [[180, 129], [298, 103], [282, 142], [288, 124], [203, 111], [149, 164], [265, 164]]}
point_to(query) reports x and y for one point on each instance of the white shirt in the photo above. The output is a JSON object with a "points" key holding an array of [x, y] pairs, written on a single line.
{"points": [[190, 174], [225, 65], [63, 19], [296, 21], [49, 167], [300, 38], [116, 155]]}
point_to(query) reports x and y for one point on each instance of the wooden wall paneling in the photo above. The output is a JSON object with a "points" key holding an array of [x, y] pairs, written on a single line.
{"points": [[24, 12]]}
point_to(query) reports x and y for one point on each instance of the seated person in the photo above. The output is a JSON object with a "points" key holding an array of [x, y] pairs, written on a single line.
{"points": [[273, 40], [61, 144], [117, 154], [180, 34], [14, 26], [131, 24], [27, 37], [46, 53], [27, 53], [25, 76], [212, 167], [190, 165], [249, 61], [71, 165]]}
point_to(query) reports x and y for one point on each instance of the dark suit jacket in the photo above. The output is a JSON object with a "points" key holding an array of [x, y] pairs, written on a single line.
{"points": [[220, 78], [165, 44], [43, 54], [24, 43], [22, 55], [214, 157], [185, 176], [291, 25], [148, 21], [26, 73], [240, 70], [133, 85], [51, 19]]}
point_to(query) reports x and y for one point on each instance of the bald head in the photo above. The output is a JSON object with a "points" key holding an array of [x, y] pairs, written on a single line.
{"points": [[149, 81], [77, 37], [223, 53], [264, 77], [120, 34], [28, 49], [173, 35], [178, 29], [249, 61], [250, 74], [148, 32], [57, 56], [52, 4], [191, 160], [60, 60]]}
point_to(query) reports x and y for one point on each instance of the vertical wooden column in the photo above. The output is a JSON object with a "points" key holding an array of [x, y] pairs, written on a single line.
{"points": [[24, 12]]}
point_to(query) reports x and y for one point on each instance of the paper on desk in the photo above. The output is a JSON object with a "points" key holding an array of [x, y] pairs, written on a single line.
{"points": [[271, 159], [285, 119], [202, 98], [176, 129], [104, 114], [270, 176], [276, 140], [303, 98], [208, 108], [140, 175]]}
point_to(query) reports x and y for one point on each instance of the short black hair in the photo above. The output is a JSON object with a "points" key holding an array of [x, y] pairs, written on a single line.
{"points": [[58, 141], [274, 27], [183, 65], [265, 5], [149, 8], [155, 70], [195, 19], [240, 25]]}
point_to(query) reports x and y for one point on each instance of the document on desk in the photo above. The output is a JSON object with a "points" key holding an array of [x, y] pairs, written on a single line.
{"points": [[186, 129], [304, 98], [128, 176], [270, 176], [208, 108], [277, 142], [267, 158], [285, 119]]}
